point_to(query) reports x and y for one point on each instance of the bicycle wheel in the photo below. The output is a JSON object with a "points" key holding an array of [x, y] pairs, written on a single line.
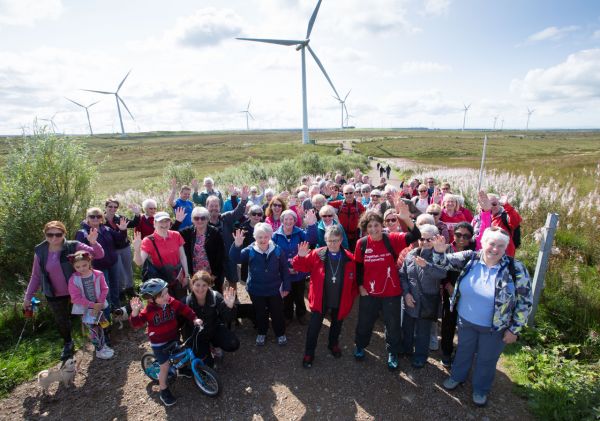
{"points": [[151, 368], [206, 379]]}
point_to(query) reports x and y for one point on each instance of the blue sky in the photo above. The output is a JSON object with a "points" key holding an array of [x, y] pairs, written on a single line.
{"points": [[408, 62]]}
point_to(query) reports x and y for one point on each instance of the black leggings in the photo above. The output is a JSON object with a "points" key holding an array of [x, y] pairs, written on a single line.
{"points": [[61, 310], [221, 337], [448, 324], [314, 327], [265, 306], [295, 298]]}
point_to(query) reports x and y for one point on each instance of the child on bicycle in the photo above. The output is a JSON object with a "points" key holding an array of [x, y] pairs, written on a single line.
{"points": [[88, 291], [160, 313]]}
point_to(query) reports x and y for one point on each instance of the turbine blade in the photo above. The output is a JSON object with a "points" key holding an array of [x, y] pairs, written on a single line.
{"points": [[76, 103], [248, 107], [125, 105], [322, 69], [251, 116], [98, 92], [123, 81], [347, 95], [93, 103], [311, 22], [273, 41]]}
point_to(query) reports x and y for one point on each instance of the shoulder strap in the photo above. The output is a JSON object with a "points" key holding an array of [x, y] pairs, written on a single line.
{"points": [[504, 218], [511, 268], [388, 246], [151, 237], [363, 245]]}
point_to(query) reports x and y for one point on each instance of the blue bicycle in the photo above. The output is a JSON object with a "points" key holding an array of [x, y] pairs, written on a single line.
{"points": [[181, 355]]}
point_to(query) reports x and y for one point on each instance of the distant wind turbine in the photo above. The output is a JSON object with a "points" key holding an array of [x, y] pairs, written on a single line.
{"points": [[301, 45], [248, 114], [529, 112], [87, 112], [495, 120], [502, 124], [51, 121], [118, 99], [465, 115], [343, 107]]}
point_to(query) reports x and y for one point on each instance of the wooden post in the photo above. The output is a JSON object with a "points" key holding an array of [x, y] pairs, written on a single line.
{"points": [[542, 262]]}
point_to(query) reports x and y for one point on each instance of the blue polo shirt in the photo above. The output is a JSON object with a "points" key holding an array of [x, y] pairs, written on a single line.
{"points": [[188, 205], [477, 289]]}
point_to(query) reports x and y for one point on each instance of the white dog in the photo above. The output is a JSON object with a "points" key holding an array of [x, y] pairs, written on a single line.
{"points": [[65, 375], [121, 315]]}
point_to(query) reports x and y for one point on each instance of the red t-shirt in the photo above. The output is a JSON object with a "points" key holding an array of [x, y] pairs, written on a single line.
{"points": [[380, 271], [451, 221], [168, 248]]}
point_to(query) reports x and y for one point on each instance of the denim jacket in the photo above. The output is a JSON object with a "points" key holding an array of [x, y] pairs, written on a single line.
{"points": [[512, 298]]}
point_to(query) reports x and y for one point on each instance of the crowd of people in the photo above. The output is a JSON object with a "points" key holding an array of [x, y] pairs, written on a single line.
{"points": [[412, 253]]}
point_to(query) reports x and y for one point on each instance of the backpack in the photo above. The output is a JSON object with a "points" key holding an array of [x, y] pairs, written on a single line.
{"points": [[515, 234], [386, 241]]}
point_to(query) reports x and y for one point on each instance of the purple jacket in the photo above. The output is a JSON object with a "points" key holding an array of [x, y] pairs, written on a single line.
{"points": [[108, 239]]}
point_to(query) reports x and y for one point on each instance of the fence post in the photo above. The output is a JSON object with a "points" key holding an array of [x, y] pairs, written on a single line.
{"points": [[542, 262]]}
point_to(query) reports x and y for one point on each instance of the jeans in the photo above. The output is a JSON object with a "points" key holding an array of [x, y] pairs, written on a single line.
{"points": [[368, 312], [125, 267], [415, 333], [314, 327], [486, 346], [295, 297], [111, 276], [265, 306]]}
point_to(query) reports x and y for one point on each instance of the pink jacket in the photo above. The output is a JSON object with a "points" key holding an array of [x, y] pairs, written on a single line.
{"points": [[78, 298]]}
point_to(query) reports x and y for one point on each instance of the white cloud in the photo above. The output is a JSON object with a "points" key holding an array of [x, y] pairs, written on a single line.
{"points": [[207, 27], [575, 79], [27, 12], [436, 7], [552, 33]]}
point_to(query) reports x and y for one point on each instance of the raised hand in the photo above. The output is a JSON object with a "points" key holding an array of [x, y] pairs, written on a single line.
{"points": [[135, 208], [420, 261], [402, 210], [238, 238], [439, 244], [229, 297], [262, 184], [198, 322], [93, 236], [503, 200], [123, 224], [293, 201], [174, 183], [195, 184], [179, 214], [311, 217], [137, 240], [484, 201], [136, 306], [303, 249], [285, 194], [245, 192]]}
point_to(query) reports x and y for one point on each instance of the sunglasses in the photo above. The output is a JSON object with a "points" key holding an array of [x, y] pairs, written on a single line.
{"points": [[434, 213], [95, 216], [494, 204], [426, 240], [256, 214], [276, 205], [54, 234], [348, 193], [465, 236], [391, 220], [375, 195], [200, 218], [326, 216]]}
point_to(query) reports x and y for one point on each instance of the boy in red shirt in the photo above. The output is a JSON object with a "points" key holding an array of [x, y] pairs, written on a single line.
{"points": [[160, 314]]}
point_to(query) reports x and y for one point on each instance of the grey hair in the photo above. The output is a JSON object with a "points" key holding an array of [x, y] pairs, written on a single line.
{"points": [[269, 191], [317, 198], [429, 229], [208, 180], [263, 228], [146, 203], [288, 212], [390, 188], [498, 235], [425, 219], [328, 209], [334, 230], [200, 211], [365, 188], [213, 199], [302, 195], [256, 209], [451, 197]]}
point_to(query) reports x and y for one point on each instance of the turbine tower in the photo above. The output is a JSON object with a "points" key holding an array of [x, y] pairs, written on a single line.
{"points": [[343, 107], [118, 99], [502, 124], [247, 111], [87, 112], [529, 112], [51, 121], [495, 120], [302, 46], [465, 115]]}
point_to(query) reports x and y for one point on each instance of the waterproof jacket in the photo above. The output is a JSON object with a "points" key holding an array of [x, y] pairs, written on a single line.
{"points": [[349, 215], [512, 298], [321, 234], [429, 276], [214, 246], [213, 313], [289, 246], [315, 263], [108, 239], [114, 224], [78, 298]]}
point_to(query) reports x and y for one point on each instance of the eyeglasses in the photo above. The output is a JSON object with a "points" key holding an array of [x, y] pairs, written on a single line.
{"points": [[434, 213], [348, 193], [54, 234], [422, 191], [392, 220], [200, 218], [465, 236], [375, 195], [426, 240], [276, 205], [95, 216], [430, 182], [326, 216], [256, 214]]}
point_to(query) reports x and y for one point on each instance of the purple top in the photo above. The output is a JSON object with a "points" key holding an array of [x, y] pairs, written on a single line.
{"points": [[60, 285]]}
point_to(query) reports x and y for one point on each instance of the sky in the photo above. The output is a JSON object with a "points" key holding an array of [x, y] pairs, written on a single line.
{"points": [[406, 63]]}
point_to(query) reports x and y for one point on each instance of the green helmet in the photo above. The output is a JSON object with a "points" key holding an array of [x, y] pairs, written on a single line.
{"points": [[152, 287]]}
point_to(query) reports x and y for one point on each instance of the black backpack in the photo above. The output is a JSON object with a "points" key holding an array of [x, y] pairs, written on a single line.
{"points": [[386, 241], [516, 233]]}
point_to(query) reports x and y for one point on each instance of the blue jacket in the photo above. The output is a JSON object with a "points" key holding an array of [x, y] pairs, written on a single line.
{"points": [[268, 273], [321, 235], [290, 246]]}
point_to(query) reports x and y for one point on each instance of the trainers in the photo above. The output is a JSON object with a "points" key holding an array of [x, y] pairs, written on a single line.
{"points": [[185, 371], [307, 361], [392, 362], [281, 340], [418, 364], [434, 343], [479, 399], [67, 351], [260, 340], [167, 397], [359, 353], [335, 351], [105, 353], [450, 384]]}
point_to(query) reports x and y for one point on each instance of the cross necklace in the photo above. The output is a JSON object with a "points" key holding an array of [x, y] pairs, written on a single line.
{"points": [[334, 272]]}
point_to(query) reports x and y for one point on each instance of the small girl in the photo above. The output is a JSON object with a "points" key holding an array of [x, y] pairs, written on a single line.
{"points": [[88, 291]]}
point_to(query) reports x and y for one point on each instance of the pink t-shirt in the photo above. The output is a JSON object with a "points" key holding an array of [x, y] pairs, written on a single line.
{"points": [[168, 248]]}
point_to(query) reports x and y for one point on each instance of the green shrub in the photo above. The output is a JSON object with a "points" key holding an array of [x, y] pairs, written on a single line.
{"points": [[183, 173], [47, 177]]}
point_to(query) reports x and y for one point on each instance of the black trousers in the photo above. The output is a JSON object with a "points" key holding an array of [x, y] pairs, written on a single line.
{"points": [[221, 337], [314, 327], [265, 307], [61, 310], [295, 298], [448, 324], [368, 312]]}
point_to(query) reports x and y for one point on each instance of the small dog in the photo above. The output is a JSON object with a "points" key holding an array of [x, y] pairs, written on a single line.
{"points": [[121, 315], [65, 374]]}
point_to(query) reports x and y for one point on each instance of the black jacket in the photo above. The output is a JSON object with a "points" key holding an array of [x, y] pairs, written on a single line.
{"points": [[213, 313], [215, 250]]}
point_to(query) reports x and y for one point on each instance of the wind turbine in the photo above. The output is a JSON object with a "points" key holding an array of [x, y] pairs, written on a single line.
{"points": [[343, 107], [118, 99], [247, 111], [51, 121], [529, 112], [87, 112], [502, 124], [495, 120], [465, 115], [301, 45]]}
